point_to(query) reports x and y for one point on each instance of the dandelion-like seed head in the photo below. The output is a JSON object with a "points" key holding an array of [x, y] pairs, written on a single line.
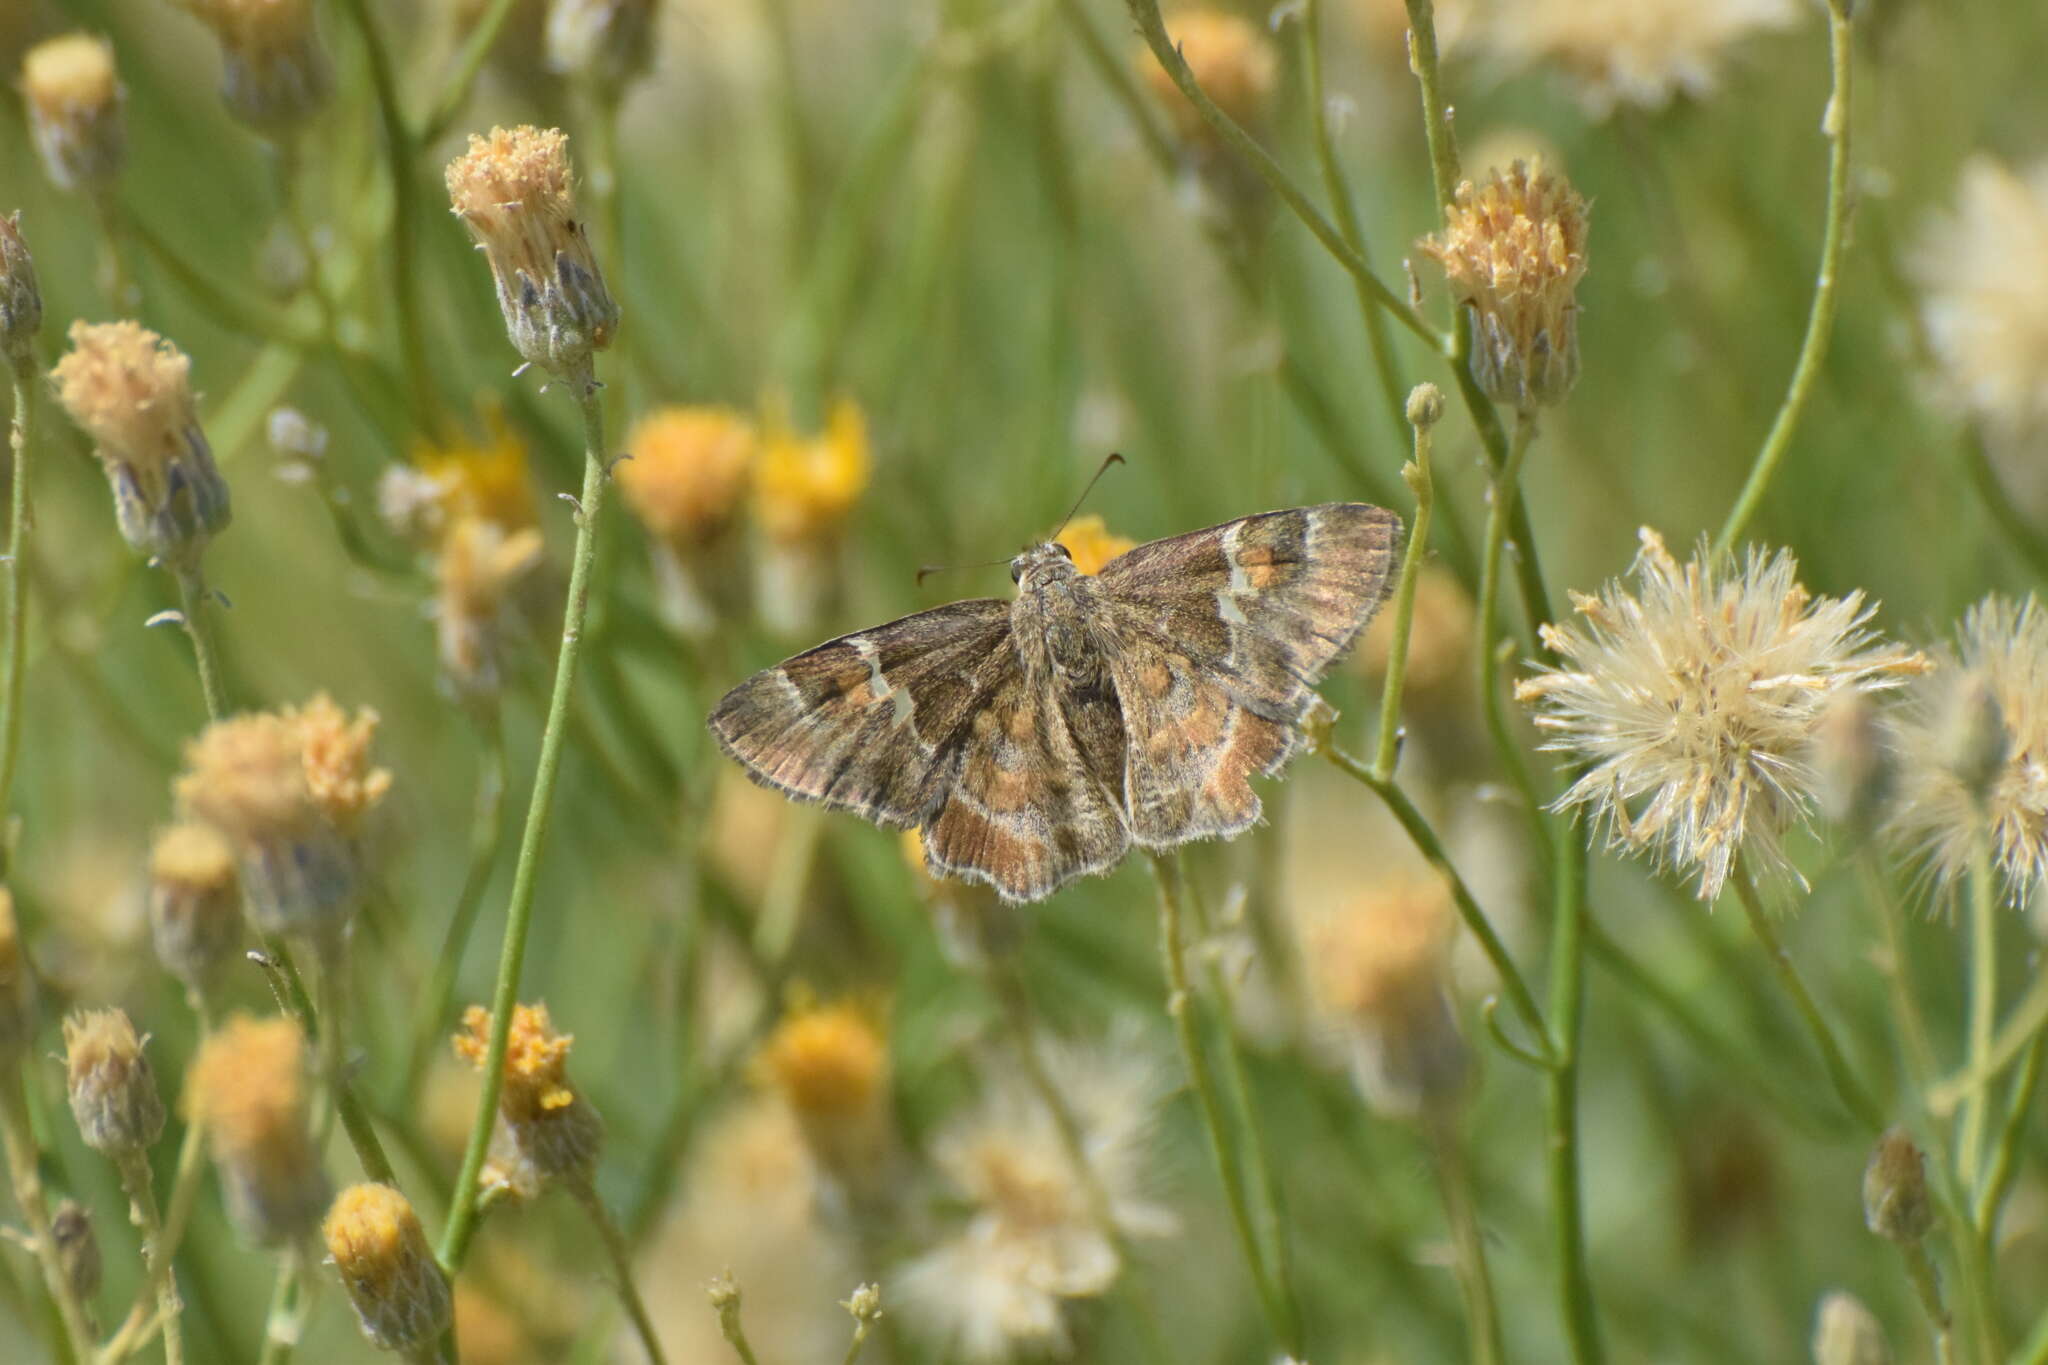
{"points": [[380, 1251], [275, 73], [688, 477], [1233, 61], [547, 1130], [247, 1087], [113, 1092], [74, 108], [195, 906], [247, 777], [477, 572], [1636, 52], [1690, 701], [1514, 251], [335, 750], [1973, 751], [130, 390], [1089, 540], [607, 41], [21, 300], [512, 190]]}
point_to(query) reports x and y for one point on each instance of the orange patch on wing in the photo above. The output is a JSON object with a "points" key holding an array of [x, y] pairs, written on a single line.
{"points": [[1204, 725], [1155, 679]]}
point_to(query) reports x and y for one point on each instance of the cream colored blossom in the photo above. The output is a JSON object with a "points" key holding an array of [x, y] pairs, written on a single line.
{"points": [[1640, 52]]}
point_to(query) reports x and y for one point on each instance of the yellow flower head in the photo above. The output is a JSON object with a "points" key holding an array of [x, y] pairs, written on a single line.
{"points": [[1384, 958], [1232, 60], [1088, 540], [546, 1130], [805, 485], [74, 108], [689, 471], [247, 1088], [381, 1253], [827, 1060], [490, 479]]}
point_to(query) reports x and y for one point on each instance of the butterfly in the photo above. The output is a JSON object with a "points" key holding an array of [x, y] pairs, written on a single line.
{"points": [[1034, 741]]}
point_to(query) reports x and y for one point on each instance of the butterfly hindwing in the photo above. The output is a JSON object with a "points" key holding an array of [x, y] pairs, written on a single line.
{"points": [[870, 722]]}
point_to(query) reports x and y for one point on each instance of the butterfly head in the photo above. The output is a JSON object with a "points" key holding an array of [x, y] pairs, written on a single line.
{"points": [[1042, 564]]}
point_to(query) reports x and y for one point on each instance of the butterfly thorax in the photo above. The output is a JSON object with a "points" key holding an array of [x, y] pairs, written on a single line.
{"points": [[1053, 620]]}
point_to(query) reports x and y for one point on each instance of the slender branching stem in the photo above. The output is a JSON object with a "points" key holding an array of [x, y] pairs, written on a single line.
{"points": [[1436, 113], [2014, 1036], [525, 877], [1468, 1240], [622, 1267], [14, 665], [1421, 483], [192, 602], [1153, 27], [2004, 1163], [19, 1139], [1820, 319], [1983, 1004], [1502, 497], [1181, 1006], [1926, 1284], [1907, 1017], [1849, 1087], [1426, 842], [1561, 1103], [156, 1249]]}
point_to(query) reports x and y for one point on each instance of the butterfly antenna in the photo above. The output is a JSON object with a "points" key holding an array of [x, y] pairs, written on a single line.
{"points": [[927, 570], [1114, 458]]}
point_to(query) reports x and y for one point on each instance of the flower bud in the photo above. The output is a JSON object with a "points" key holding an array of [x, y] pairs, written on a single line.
{"points": [[113, 1093], [512, 191], [74, 108], [78, 1249], [1895, 1202], [21, 301], [130, 390], [546, 1131], [275, 73], [195, 904], [400, 1295], [1514, 252], [1425, 406], [247, 1087], [1847, 1333]]}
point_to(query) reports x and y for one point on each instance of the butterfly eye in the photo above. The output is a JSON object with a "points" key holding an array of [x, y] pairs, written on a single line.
{"points": [[1065, 553], [1016, 571]]}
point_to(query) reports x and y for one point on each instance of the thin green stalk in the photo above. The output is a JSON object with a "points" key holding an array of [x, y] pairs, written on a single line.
{"points": [[2004, 1166], [1153, 27], [1983, 1004], [1436, 116], [469, 63], [290, 1300], [399, 149], [1505, 494], [115, 281], [1927, 1289], [1820, 321], [1432, 850], [1180, 1004], [140, 1185], [1475, 1280], [14, 670], [622, 1267], [2015, 1035], [1561, 1104], [1906, 1014], [1848, 1086], [192, 610], [290, 989], [15, 1131], [519, 911], [486, 840], [1417, 475]]}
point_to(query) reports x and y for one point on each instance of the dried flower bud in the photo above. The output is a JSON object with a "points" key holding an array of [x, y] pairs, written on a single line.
{"points": [[275, 73], [336, 752], [400, 1295], [605, 41], [830, 1064], [1895, 1202], [1847, 1333], [247, 1087], [1232, 60], [477, 571], [247, 777], [78, 1249], [195, 904], [1514, 251], [113, 1093], [74, 106], [1425, 406], [512, 191], [1381, 966], [130, 390], [17, 991], [548, 1131], [21, 301], [1850, 760]]}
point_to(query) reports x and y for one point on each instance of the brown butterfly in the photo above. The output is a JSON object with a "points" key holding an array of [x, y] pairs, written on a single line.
{"points": [[1036, 740]]}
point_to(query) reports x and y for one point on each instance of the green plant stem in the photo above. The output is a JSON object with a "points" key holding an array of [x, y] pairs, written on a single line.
{"points": [[286, 1316], [1420, 482], [486, 841], [1927, 1289], [1153, 27], [1848, 1087], [2004, 1164], [399, 150], [622, 1267], [1431, 848], [156, 1249], [1907, 1018], [1423, 60], [1561, 1104], [468, 64], [14, 668], [192, 609], [16, 1133], [1983, 1004], [1502, 497], [1180, 1005], [1475, 1280], [1820, 320], [290, 990], [2014, 1036], [519, 911], [1346, 214], [2004, 511]]}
